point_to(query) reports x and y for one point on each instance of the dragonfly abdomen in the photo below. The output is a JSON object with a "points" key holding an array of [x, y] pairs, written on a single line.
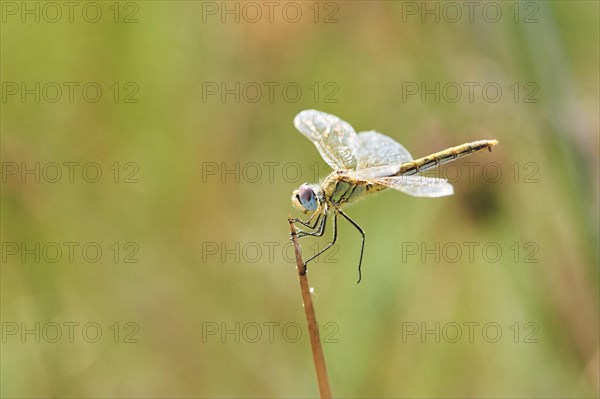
{"points": [[447, 155]]}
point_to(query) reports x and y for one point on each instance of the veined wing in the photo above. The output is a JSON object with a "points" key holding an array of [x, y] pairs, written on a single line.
{"points": [[417, 186], [379, 155], [335, 139]]}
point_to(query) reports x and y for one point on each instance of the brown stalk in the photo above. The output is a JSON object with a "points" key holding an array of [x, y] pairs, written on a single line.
{"points": [[311, 319]]}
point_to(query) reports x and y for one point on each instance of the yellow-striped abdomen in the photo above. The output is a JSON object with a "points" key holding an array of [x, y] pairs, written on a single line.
{"points": [[447, 155]]}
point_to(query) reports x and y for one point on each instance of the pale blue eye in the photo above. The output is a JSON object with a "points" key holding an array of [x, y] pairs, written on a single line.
{"points": [[307, 197]]}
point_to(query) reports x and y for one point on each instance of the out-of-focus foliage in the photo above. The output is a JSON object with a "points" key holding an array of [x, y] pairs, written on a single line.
{"points": [[202, 196]]}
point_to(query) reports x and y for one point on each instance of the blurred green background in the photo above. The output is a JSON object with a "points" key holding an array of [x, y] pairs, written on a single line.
{"points": [[195, 293]]}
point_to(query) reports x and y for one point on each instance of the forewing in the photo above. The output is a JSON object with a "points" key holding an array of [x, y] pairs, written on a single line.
{"points": [[335, 139], [417, 186], [378, 156], [376, 149]]}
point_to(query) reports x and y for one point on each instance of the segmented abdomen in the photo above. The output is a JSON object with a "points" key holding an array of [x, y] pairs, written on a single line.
{"points": [[450, 154]]}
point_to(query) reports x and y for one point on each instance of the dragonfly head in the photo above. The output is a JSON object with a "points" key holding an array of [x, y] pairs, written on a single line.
{"points": [[305, 199]]}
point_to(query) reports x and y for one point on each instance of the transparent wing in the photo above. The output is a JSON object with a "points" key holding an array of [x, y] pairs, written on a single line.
{"points": [[379, 155], [417, 186], [335, 139], [376, 149]]}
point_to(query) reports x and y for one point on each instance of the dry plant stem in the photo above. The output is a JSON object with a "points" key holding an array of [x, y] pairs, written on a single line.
{"points": [[311, 319]]}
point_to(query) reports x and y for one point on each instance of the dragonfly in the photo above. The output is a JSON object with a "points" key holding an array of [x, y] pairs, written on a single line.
{"points": [[363, 164]]}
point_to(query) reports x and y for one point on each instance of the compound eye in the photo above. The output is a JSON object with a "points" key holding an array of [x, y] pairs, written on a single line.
{"points": [[305, 193], [307, 198]]}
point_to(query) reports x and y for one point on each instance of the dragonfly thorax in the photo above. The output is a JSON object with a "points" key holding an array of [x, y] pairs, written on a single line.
{"points": [[307, 198]]}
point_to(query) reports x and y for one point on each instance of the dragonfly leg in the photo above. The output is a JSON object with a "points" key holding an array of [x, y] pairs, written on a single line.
{"points": [[307, 222], [334, 224], [362, 245], [317, 233]]}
